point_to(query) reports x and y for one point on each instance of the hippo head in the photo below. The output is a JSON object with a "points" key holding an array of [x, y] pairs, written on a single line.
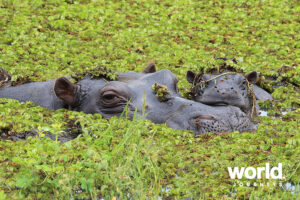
{"points": [[136, 94], [224, 89]]}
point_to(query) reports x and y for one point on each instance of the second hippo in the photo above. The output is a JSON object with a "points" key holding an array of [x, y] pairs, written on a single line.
{"points": [[228, 88]]}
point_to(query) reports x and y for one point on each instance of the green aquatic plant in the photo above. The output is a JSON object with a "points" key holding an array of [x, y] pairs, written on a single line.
{"points": [[42, 40], [161, 92], [97, 73]]}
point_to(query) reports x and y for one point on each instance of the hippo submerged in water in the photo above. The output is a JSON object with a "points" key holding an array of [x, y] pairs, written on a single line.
{"points": [[135, 92], [228, 88]]}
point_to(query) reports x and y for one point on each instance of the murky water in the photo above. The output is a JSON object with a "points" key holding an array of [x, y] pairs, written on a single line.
{"points": [[264, 113], [289, 187]]}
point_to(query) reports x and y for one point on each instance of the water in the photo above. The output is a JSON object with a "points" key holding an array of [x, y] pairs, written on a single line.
{"points": [[289, 187], [264, 113]]}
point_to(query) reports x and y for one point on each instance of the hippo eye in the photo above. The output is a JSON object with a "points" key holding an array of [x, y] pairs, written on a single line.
{"points": [[243, 85], [110, 97], [114, 95]]}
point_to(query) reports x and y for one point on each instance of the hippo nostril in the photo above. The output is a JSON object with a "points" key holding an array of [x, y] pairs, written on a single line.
{"points": [[231, 88], [170, 103], [199, 123]]}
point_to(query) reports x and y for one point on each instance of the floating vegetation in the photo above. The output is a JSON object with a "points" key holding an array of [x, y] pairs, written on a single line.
{"points": [[43, 40], [97, 73], [161, 92]]}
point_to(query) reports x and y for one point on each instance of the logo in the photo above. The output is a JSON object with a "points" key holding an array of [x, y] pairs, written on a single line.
{"points": [[251, 172]]}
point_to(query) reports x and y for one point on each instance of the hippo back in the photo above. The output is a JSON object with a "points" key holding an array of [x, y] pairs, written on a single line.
{"points": [[40, 93], [261, 94]]}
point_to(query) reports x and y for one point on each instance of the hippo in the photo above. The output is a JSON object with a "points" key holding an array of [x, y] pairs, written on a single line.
{"points": [[228, 88], [132, 94]]}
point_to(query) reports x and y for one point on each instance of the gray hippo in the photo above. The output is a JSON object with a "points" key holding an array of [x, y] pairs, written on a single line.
{"points": [[136, 93], [228, 88]]}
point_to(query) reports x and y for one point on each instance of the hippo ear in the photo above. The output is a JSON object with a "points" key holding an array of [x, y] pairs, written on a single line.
{"points": [[190, 76], [150, 68], [65, 90], [252, 77]]}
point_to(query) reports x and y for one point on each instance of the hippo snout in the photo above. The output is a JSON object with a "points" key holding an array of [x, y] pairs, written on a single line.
{"points": [[206, 123], [199, 119], [202, 118]]}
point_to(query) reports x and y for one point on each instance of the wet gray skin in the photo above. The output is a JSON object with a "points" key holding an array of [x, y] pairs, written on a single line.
{"points": [[230, 89], [111, 98]]}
